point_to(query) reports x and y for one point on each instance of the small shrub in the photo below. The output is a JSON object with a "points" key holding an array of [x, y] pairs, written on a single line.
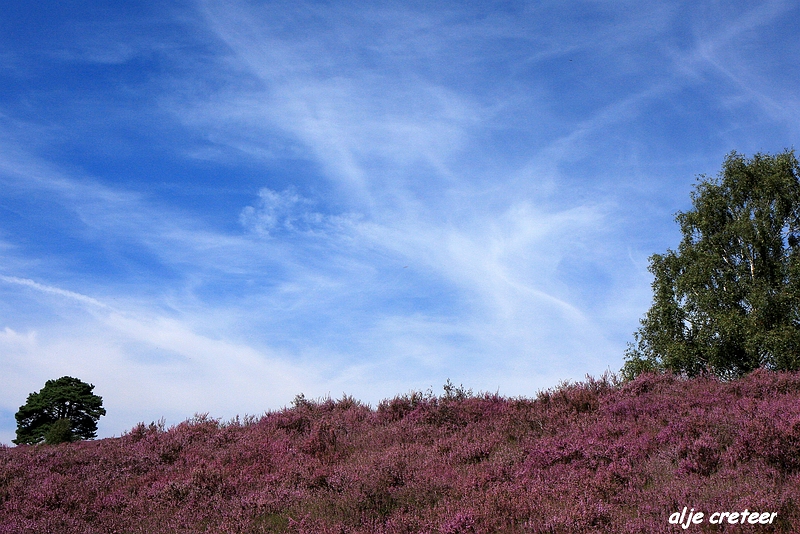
{"points": [[701, 456], [321, 442], [59, 432]]}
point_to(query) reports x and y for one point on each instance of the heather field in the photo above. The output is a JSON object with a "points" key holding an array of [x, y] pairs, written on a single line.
{"points": [[591, 457]]}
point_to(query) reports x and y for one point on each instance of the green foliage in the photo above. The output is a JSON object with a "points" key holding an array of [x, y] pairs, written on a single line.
{"points": [[272, 523], [728, 300], [59, 432], [64, 410]]}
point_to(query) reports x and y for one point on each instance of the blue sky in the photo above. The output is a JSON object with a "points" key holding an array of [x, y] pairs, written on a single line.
{"points": [[214, 206]]}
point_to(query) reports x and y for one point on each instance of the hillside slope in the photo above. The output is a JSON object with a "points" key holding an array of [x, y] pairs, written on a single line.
{"points": [[589, 457]]}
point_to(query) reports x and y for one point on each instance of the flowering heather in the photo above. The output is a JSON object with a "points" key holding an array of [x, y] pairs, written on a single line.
{"points": [[591, 457]]}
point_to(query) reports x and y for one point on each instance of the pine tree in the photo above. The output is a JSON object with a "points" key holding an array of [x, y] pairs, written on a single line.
{"points": [[43, 416]]}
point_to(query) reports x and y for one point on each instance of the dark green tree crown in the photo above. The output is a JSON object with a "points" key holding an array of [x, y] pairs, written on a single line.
{"points": [[728, 300], [64, 399]]}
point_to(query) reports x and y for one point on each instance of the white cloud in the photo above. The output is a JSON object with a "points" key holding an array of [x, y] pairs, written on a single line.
{"points": [[289, 212], [742, 76], [148, 367], [54, 290]]}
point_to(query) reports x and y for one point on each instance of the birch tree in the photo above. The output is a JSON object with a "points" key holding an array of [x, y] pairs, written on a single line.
{"points": [[728, 300]]}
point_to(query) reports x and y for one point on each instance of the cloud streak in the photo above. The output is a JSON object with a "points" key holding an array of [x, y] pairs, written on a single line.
{"points": [[83, 299]]}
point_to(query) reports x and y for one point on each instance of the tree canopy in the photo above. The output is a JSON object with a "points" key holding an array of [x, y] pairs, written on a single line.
{"points": [[728, 300], [64, 410]]}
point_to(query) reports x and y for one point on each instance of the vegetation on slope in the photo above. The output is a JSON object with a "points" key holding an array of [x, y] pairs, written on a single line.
{"points": [[592, 457]]}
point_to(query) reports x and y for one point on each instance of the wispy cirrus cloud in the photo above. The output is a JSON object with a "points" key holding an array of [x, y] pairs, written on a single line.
{"points": [[281, 212], [145, 365], [54, 290]]}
